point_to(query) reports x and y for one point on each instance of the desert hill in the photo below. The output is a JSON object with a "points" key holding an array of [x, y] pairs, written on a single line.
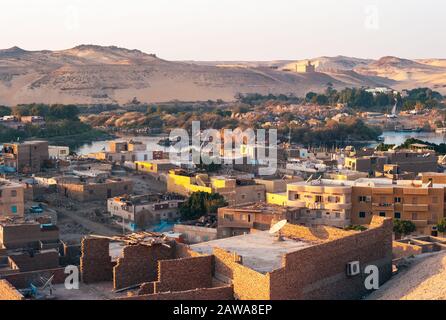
{"points": [[95, 74]]}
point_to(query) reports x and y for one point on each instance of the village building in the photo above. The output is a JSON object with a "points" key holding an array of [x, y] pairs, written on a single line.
{"points": [[26, 157], [12, 198], [234, 190], [139, 212]]}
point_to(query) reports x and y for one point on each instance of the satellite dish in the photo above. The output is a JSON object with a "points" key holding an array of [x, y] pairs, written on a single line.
{"points": [[278, 226]]}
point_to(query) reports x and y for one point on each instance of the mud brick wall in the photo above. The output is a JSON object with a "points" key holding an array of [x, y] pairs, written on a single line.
{"points": [[184, 274], [139, 264], [40, 261], [248, 284], [219, 293], [8, 292], [146, 288], [319, 272], [18, 236], [23, 280], [95, 262]]}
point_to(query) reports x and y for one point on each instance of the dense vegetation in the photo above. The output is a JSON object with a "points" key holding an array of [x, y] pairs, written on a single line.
{"points": [[353, 129], [438, 148], [200, 204], [360, 99], [62, 125]]}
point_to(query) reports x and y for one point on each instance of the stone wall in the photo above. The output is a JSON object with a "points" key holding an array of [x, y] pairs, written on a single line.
{"points": [[95, 262]]}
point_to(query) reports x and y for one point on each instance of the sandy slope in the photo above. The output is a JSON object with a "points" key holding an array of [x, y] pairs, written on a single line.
{"points": [[95, 74], [425, 279]]}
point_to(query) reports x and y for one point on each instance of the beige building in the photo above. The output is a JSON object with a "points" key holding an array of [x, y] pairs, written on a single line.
{"points": [[412, 200], [343, 203], [58, 152], [94, 189], [238, 220], [11, 199], [326, 202], [139, 212], [26, 157]]}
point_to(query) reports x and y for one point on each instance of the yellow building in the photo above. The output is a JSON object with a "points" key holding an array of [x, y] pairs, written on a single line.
{"points": [[235, 191], [154, 166]]}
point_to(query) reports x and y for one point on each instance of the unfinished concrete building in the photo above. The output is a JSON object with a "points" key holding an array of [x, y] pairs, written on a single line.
{"points": [[26, 157], [304, 263], [84, 189]]}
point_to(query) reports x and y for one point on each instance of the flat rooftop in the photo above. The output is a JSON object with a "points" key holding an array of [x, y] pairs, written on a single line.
{"points": [[260, 250]]}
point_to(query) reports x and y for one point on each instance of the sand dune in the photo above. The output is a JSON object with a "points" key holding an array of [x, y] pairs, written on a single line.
{"points": [[95, 74]]}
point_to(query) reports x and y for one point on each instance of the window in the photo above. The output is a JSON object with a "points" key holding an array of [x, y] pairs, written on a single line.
{"points": [[13, 193], [414, 216], [296, 196], [362, 199], [319, 199], [14, 209], [318, 214], [337, 215], [362, 215], [398, 200], [259, 195], [382, 214], [397, 215]]}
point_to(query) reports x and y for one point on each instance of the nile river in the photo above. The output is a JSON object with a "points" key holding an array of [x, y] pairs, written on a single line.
{"points": [[390, 137]]}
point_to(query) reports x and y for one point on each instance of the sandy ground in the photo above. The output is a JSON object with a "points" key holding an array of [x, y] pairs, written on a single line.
{"points": [[425, 279]]}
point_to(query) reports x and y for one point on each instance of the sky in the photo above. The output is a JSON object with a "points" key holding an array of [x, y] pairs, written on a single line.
{"points": [[231, 29]]}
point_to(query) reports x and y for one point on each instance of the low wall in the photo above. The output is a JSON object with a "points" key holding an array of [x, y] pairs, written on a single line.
{"points": [[220, 293], [405, 250]]}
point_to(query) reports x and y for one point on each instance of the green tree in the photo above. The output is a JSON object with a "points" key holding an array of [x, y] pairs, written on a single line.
{"points": [[402, 227], [441, 227], [200, 204]]}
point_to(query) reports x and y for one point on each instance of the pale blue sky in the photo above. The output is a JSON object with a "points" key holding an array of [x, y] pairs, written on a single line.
{"points": [[231, 29]]}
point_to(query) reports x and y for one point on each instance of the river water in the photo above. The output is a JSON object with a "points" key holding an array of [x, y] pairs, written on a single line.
{"points": [[390, 137], [98, 146]]}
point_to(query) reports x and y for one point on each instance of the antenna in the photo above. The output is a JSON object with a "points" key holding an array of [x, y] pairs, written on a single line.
{"points": [[275, 229]]}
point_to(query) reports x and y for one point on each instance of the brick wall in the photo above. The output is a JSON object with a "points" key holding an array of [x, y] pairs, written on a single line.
{"points": [[248, 284], [8, 292], [139, 264], [95, 262], [40, 261], [22, 280], [319, 272], [219, 293], [184, 274], [24, 235]]}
